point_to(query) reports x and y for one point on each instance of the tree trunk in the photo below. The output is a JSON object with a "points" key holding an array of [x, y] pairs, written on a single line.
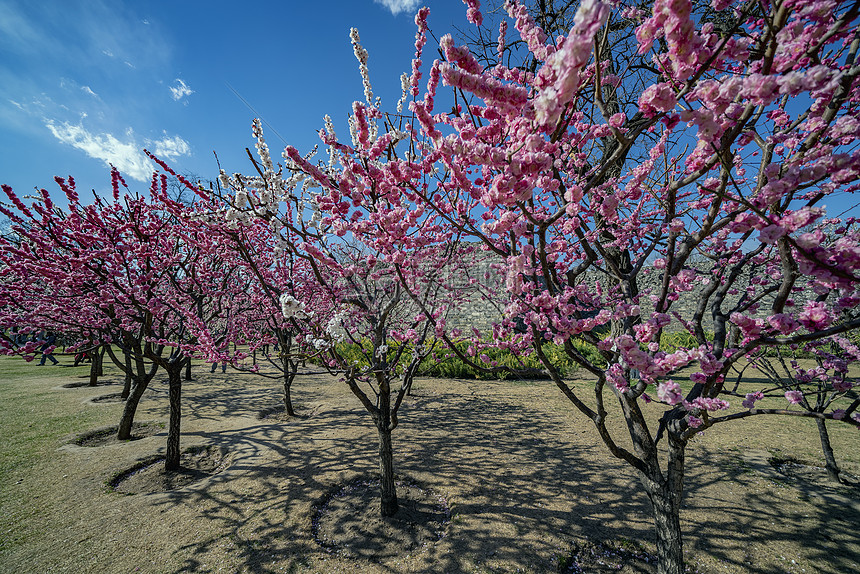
{"points": [[171, 461], [388, 489], [95, 368], [829, 457], [100, 353], [289, 376], [670, 554], [137, 389], [126, 389], [188, 370], [665, 496]]}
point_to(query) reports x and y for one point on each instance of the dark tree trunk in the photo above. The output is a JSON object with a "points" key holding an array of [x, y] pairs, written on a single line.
{"points": [[188, 370], [670, 554], [829, 457], [171, 461], [383, 422], [100, 353], [665, 496], [126, 389], [388, 490], [137, 389], [95, 367], [290, 369]]}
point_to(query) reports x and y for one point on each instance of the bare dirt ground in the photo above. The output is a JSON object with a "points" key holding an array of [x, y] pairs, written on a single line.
{"points": [[519, 479]]}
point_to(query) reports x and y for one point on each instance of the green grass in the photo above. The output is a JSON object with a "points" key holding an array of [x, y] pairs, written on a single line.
{"points": [[34, 419]]}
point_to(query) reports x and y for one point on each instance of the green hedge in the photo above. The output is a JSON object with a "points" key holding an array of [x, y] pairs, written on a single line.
{"points": [[444, 363]]}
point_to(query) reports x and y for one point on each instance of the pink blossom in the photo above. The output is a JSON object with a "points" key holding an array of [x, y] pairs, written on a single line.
{"points": [[815, 316], [657, 98], [838, 414], [669, 392], [749, 326], [617, 120], [771, 233], [751, 398], [710, 404], [794, 397], [473, 14], [615, 374], [694, 422], [842, 386], [562, 70], [783, 323]]}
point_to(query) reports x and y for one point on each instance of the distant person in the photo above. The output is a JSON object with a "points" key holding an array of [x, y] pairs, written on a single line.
{"points": [[50, 339]]}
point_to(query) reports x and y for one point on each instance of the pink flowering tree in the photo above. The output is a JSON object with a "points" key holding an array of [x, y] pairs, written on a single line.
{"points": [[647, 156], [124, 273], [50, 283], [58, 272], [820, 387]]}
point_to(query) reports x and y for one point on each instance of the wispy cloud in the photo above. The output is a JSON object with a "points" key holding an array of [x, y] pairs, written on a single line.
{"points": [[180, 90], [398, 6], [126, 153], [18, 34], [88, 90], [170, 148]]}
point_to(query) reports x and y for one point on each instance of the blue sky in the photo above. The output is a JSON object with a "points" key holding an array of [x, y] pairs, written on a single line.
{"points": [[87, 82]]}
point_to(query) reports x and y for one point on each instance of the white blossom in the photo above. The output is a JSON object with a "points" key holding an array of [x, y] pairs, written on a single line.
{"points": [[361, 56], [292, 307], [404, 84]]}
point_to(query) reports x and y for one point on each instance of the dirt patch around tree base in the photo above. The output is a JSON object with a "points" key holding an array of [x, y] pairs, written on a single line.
{"points": [[79, 384], [110, 399], [811, 476], [107, 435], [624, 556], [149, 476], [347, 521], [279, 413]]}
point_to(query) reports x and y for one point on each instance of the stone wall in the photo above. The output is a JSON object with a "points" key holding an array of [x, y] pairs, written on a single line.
{"points": [[481, 312]]}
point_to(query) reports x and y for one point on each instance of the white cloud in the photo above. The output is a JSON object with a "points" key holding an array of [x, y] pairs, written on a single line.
{"points": [[398, 6], [181, 90], [88, 90], [126, 154], [169, 148]]}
